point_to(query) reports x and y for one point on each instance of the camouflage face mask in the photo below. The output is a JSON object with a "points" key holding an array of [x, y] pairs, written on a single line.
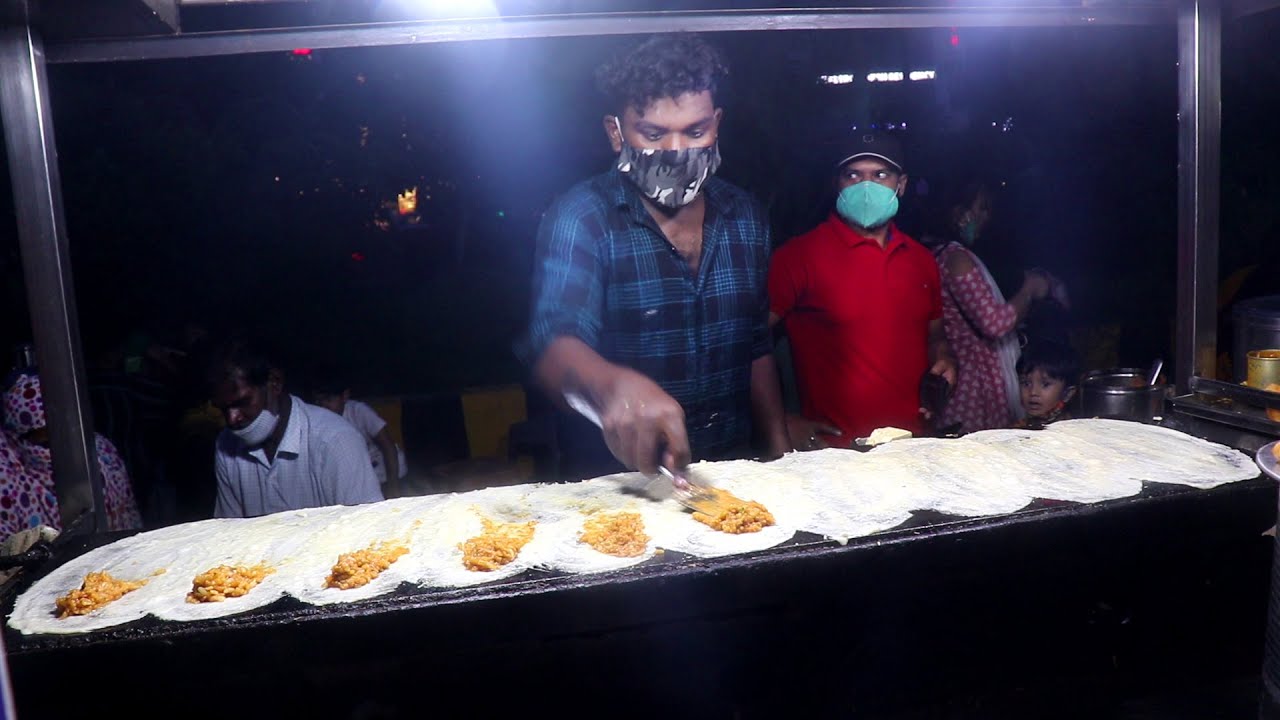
{"points": [[669, 178]]}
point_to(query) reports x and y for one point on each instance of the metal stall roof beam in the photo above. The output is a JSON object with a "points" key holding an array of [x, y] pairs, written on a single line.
{"points": [[46, 264], [64, 20], [409, 33], [1244, 8], [1199, 143]]}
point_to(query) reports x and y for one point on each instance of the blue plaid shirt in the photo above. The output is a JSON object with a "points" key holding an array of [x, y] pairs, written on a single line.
{"points": [[606, 274]]}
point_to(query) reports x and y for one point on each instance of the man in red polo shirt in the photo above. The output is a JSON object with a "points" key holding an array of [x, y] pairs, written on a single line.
{"points": [[862, 305]]}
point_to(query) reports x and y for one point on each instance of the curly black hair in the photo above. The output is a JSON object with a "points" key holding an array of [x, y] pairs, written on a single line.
{"points": [[662, 66]]}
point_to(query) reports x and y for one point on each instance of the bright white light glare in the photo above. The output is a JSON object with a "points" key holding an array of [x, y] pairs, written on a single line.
{"points": [[835, 79], [885, 77], [398, 9], [922, 75]]}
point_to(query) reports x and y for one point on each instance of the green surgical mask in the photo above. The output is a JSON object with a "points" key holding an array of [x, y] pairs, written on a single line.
{"points": [[867, 204]]}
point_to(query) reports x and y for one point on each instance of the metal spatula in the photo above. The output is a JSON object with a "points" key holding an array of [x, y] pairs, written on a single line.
{"points": [[693, 494], [696, 495]]}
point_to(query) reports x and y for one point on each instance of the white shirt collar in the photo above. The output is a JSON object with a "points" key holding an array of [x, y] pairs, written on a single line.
{"points": [[291, 441]]}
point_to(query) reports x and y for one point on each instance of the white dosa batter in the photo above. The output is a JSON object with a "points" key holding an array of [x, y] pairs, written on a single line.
{"points": [[838, 494]]}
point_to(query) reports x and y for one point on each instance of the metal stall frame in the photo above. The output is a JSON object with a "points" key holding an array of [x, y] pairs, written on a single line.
{"points": [[37, 199], [38, 196], [28, 123], [1199, 143]]}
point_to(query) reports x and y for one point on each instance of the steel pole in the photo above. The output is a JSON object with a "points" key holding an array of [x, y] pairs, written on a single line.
{"points": [[1199, 143], [46, 262]]}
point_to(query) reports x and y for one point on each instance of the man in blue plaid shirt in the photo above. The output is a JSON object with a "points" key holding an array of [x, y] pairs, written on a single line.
{"points": [[650, 297]]}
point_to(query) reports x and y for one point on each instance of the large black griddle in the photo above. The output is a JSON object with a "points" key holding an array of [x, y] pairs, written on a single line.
{"points": [[924, 525], [936, 607]]}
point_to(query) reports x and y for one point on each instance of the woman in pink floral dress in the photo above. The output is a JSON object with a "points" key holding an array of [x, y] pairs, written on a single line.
{"points": [[981, 325], [27, 496]]}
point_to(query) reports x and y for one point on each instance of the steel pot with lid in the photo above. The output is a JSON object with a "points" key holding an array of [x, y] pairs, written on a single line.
{"points": [[1121, 393]]}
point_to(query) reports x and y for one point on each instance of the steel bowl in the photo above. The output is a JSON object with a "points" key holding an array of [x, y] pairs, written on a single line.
{"points": [[1121, 393]]}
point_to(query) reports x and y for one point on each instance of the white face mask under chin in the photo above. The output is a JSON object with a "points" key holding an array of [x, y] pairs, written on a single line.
{"points": [[257, 432]]}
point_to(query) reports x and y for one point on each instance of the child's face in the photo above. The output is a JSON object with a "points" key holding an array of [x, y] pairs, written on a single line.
{"points": [[1041, 393]]}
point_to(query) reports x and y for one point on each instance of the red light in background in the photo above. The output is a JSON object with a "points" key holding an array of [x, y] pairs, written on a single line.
{"points": [[302, 51], [955, 39], [357, 256]]}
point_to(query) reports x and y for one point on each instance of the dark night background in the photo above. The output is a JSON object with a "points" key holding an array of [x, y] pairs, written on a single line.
{"points": [[245, 192]]}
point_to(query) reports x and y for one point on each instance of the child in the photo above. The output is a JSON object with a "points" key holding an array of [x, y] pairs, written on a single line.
{"points": [[386, 456], [1047, 375]]}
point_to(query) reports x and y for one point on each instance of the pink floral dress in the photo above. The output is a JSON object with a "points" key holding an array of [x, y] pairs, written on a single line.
{"points": [[27, 496], [975, 319], [122, 508], [26, 499]]}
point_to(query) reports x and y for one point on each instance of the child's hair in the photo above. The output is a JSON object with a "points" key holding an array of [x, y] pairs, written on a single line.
{"points": [[1054, 359]]}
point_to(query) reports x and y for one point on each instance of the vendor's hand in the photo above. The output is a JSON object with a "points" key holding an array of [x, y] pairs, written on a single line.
{"points": [[777, 448], [804, 432], [643, 425]]}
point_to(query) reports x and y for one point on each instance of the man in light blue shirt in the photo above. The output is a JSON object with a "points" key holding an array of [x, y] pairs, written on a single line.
{"points": [[278, 453]]}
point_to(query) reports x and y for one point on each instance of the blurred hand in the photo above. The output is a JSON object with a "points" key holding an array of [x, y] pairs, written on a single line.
{"points": [[944, 367], [1058, 291], [1036, 283], [804, 433], [164, 351], [165, 356], [643, 425]]}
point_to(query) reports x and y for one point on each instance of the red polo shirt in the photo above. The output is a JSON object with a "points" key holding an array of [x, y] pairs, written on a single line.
{"points": [[858, 319]]}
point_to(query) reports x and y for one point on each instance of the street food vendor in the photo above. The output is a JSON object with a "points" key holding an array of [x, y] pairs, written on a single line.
{"points": [[276, 452], [861, 303], [650, 294]]}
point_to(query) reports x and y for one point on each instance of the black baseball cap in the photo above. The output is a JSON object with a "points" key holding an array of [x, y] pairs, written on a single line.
{"points": [[881, 147]]}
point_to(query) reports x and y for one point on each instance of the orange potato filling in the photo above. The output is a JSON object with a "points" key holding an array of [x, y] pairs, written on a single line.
{"points": [[618, 534], [358, 568], [497, 545], [728, 513], [226, 581], [98, 589]]}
